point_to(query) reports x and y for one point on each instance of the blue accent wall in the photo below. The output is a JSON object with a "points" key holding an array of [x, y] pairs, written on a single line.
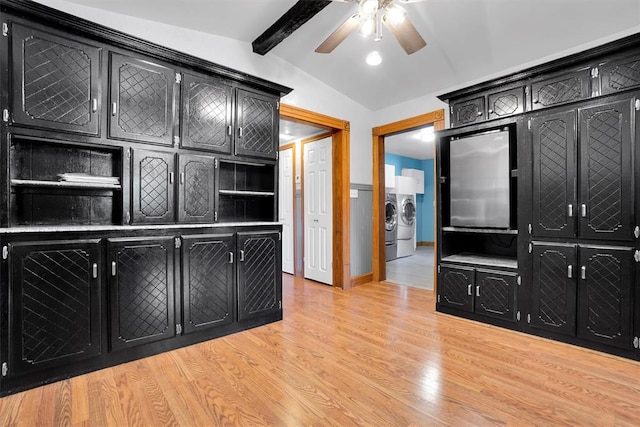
{"points": [[424, 202]]}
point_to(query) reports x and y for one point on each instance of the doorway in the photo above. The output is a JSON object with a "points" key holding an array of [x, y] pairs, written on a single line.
{"points": [[380, 133], [338, 132]]}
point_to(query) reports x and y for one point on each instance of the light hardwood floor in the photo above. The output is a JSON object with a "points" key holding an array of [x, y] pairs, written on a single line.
{"points": [[376, 355]]}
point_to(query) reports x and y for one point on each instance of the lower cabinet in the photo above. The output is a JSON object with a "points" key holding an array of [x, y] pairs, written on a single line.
{"points": [[55, 304], [483, 291], [583, 291]]}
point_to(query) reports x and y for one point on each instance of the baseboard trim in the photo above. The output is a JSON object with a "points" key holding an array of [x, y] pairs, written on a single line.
{"points": [[362, 279], [425, 243]]}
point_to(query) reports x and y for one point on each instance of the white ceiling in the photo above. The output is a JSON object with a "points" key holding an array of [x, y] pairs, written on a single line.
{"points": [[409, 144]]}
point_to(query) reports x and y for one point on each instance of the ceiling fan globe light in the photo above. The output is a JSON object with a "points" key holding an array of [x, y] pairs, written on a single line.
{"points": [[369, 7], [368, 27], [395, 15]]}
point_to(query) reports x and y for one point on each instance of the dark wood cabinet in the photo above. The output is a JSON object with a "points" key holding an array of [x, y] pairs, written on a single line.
{"points": [[207, 106], [505, 103], [620, 73], [208, 281], [456, 287], [55, 80], [257, 124], [468, 111], [259, 274], [141, 291], [196, 195], [153, 176], [142, 100], [560, 89], [55, 305]]}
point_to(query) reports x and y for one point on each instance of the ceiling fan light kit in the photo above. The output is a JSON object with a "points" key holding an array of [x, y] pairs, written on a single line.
{"points": [[371, 15]]}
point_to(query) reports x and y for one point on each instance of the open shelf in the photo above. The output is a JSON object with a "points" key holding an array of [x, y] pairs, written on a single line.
{"points": [[481, 259], [480, 230], [62, 184], [247, 193]]}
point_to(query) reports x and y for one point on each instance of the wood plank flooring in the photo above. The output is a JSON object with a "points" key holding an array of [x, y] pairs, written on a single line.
{"points": [[376, 355]]}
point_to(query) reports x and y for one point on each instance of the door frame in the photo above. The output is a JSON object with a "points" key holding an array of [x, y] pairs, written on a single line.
{"points": [[292, 146], [340, 137], [435, 118]]}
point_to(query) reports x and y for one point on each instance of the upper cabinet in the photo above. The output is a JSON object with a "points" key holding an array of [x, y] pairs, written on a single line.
{"points": [[561, 89], [257, 124], [55, 80], [142, 100], [493, 104]]}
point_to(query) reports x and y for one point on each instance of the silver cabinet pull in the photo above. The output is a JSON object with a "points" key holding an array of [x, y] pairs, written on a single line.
{"points": [[570, 271], [240, 132], [570, 210], [480, 113], [181, 177], [469, 290], [477, 291], [230, 257], [229, 130], [241, 255], [94, 105], [170, 177], [583, 210], [583, 272], [113, 268], [114, 109], [95, 270]]}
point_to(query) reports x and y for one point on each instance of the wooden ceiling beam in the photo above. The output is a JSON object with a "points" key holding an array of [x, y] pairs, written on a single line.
{"points": [[292, 19]]}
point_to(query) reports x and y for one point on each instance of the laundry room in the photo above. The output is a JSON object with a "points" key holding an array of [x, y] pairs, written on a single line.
{"points": [[409, 207]]}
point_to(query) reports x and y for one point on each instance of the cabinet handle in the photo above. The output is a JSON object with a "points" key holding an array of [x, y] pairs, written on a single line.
{"points": [[583, 210], [229, 130], [114, 109], [240, 132], [95, 270], [181, 177], [570, 210], [113, 268], [170, 177], [470, 290], [230, 257], [477, 291], [570, 271], [583, 272], [535, 101], [94, 105], [241, 255], [480, 113]]}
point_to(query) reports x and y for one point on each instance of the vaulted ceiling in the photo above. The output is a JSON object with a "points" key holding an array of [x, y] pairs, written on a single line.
{"points": [[467, 40]]}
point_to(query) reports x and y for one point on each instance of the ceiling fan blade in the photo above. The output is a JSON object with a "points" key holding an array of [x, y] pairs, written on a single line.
{"points": [[339, 34], [407, 35]]}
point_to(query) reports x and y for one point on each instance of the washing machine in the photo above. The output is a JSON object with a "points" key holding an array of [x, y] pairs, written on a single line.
{"points": [[391, 227], [406, 224]]}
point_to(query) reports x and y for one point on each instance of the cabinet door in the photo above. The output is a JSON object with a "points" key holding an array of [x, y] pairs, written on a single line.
{"points": [[257, 116], [553, 292], [196, 188], [206, 114], [259, 274], [606, 177], [605, 291], [468, 111], [152, 186], [56, 81], [208, 281], [55, 304], [506, 103], [621, 73], [496, 294], [554, 171], [141, 290], [142, 97], [455, 287], [561, 89]]}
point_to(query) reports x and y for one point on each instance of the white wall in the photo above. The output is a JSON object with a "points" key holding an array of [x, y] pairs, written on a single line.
{"points": [[308, 93]]}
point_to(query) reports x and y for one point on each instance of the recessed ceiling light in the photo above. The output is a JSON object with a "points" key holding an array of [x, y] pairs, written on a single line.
{"points": [[374, 58]]}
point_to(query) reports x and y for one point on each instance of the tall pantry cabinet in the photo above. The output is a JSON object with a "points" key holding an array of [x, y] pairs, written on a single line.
{"points": [[138, 198]]}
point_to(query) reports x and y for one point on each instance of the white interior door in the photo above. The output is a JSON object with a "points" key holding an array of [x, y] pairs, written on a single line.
{"points": [[318, 227], [285, 207]]}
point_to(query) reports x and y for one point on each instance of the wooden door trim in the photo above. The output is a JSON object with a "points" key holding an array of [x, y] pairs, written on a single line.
{"points": [[339, 130], [379, 132]]}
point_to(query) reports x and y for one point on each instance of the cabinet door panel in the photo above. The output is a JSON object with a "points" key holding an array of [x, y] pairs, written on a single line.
{"points": [[466, 112], [153, 186], [208, 281], [620, 74], [561, 89], [55, 304], [142, 96], [455, 286], [196, 188], [259, 274], [506, 103], [141, 290], [206, 114], [554, 169], [553, 294], [257, 116], [495, 294], [604, 295], [56, 81], [606, 194]]}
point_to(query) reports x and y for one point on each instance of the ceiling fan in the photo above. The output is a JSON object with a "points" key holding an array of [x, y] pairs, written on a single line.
{"points": [[370, 17]]}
